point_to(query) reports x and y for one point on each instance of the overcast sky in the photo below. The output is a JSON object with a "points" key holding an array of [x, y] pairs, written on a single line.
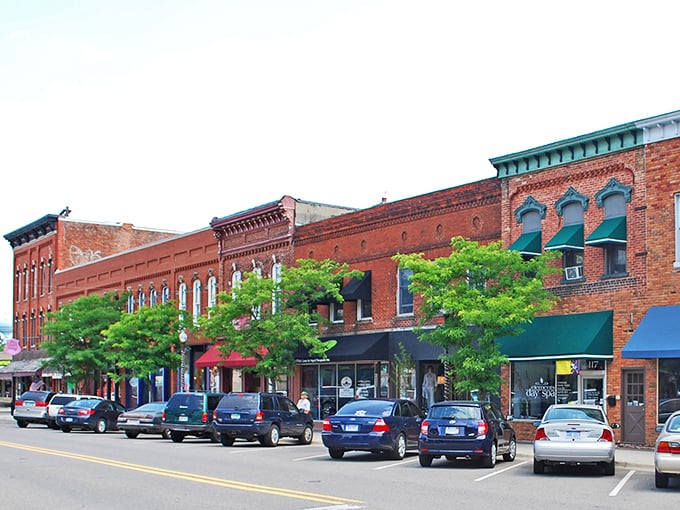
{"points": [[166, 114]]}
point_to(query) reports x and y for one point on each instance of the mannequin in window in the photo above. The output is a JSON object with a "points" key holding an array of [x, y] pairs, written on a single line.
{"points": [[429, 383]]}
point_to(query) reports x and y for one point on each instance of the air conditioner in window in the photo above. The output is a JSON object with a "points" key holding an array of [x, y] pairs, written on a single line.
{"points": [[573, 272]]}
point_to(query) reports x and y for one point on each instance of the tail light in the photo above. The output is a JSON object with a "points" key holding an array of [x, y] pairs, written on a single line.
{"points": [[668, 447], [18, 403], [41, 404], [61, 411], [205, 417], [424, 426], [85, 412], [163, 416], [541, 435], [259, 416], [380, 426], [215, 415], [327, 425], [607, 436], [482, 428]]}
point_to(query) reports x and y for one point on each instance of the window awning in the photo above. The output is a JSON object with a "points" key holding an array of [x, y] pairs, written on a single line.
{"points": [[657, 336], [368, 347], [528, 244], [23, 368], [573, 336], [214, 358], [568, 238], [358, 288], [610, 231]]}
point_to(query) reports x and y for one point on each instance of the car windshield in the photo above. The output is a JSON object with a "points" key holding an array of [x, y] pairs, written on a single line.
{"points": [[151, 407], [239, 401], [673, 424], [84, 403], [574, 413], [37, 396], [366, 408], [454, 412]]}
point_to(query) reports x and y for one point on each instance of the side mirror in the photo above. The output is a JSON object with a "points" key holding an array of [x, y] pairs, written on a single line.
{"points": [[615, 426], [536, 423], [659, 428], [509, 417]]}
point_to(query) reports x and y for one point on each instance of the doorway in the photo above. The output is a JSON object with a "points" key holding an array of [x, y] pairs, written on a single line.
{"points": [[633, 412]]}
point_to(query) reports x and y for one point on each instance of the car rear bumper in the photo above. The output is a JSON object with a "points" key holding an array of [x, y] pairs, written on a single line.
{"points": [[243, 430], [570, 452], [667, 463], [454, 447], [366, 442]]}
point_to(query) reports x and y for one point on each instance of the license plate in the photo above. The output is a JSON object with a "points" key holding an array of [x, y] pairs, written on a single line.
{"points": [[351, 428], [452, 431], [69, 419], [133, 422], [183, 418], [573, 434], [235, 416]]}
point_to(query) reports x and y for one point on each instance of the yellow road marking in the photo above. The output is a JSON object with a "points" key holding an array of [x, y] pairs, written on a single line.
{"points": [[210, 480]]}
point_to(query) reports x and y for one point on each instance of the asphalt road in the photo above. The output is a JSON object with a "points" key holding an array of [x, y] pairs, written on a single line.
{"points": [[43, 468]]}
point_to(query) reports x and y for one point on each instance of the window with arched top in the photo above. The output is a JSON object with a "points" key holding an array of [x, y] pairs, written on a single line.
{"points": [[196, 291], [182, 296], [212, 291]]}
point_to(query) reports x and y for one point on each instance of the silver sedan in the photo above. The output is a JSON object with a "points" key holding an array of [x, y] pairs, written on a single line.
{"points": [[667, 451], [574, 434]]}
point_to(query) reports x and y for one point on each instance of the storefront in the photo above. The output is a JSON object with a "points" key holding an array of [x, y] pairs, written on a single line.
{"points": [[558, 359], [212, 371]]}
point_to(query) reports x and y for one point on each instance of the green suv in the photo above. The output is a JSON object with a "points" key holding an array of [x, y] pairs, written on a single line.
{"points": [[190, 414]]}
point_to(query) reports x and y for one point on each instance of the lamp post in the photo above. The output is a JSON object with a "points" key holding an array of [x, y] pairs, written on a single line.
{"points": [[182, 367]]}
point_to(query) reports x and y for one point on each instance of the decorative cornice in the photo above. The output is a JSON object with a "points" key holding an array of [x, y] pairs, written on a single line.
{"points": [[29, 233], [660, 128]]}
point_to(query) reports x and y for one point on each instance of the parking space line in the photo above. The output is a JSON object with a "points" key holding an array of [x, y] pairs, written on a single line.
{"points": [[400, 463], [310, 457], [498, 472], [620, 485]]}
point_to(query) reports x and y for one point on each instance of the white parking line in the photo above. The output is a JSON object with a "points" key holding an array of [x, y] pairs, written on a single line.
{"points": [[620, 485], [400, 463], [498, 472], [310, 457]]}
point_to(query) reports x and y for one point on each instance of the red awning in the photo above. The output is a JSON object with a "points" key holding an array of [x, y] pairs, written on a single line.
{"points": [[214, 358]]}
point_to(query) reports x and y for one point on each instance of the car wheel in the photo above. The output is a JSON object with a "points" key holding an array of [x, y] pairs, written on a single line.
{"points": [[660, 480], [165, 434], [66, 428], [307, 435], [131, 434], [101, 426], [272, 436], [336, 453], [226, 440], [609, 468], [512, 451], [22, 424], [177, 437], [399, 451], [539, 467], [490, 460], [215, 437], [425, 460]]}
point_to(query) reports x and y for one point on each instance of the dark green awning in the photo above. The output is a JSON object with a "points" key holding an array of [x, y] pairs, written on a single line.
{"points": [[610, 231], [568, 238], [528, 244], [573, 336]]}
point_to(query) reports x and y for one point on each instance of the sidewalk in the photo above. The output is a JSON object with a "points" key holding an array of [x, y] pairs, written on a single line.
{"points": [[627, 457]]}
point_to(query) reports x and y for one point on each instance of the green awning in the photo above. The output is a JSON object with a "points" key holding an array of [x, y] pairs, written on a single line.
{"points": [[568, 238], [573, 336], [528, 244], [610, 231]]}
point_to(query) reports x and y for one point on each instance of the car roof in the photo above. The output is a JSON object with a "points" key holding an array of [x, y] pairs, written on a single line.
{"points": [[573, 406]]}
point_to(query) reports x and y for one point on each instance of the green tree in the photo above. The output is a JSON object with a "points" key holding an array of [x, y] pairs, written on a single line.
{"points": [[74, 336], [268, 319], [473, 296], [142, 342]]}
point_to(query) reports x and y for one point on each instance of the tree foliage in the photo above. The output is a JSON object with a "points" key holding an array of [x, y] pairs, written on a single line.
{"points": [[141, 342], [470, 298], [74, 335], [269, 320]]}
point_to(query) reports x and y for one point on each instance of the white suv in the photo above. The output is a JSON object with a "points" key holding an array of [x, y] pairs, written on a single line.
{"points": [[60, 400]]}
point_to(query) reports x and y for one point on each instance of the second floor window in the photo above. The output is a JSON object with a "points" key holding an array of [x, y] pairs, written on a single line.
{"points": [[404, 295]]}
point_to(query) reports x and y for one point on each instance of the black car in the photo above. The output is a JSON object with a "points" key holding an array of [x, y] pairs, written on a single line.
{"points": [[190, 414], [98, 415], [263, 416], [466, 429]]}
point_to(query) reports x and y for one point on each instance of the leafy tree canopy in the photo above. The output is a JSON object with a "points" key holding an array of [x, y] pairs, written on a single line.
{"points": [[269, 320], [473, 296]]}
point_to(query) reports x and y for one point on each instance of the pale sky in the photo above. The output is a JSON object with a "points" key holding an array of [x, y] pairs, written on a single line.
{"points": [[166, 114]]}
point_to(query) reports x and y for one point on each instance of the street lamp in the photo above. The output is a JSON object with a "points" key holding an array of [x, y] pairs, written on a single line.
{"points": [[182, 367]]}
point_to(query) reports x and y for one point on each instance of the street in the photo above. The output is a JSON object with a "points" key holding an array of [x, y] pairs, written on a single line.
{"points": [[43, 468]]}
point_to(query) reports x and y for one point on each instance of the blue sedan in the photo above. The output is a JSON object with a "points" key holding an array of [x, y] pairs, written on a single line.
{"points": [[388, 426], [89, 414]]}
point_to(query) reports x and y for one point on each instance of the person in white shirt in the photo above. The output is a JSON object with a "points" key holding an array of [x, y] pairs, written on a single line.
{"points": [[303, 404]]}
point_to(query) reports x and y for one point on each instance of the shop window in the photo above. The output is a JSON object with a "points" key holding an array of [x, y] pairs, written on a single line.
{"points": [[533, 388], [669, 388]]}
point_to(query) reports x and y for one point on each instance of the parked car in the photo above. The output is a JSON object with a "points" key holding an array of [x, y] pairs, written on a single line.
{"points": [[466, 429], [667, 451], [388, 426], [95, 414], [266, 417], [145, 419], [57, 402], [31, 407], [575, 434], [668, 407], [190, 414]]}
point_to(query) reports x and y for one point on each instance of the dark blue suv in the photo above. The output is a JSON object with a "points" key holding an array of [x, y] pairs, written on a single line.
{"points": [[266, 417]]}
